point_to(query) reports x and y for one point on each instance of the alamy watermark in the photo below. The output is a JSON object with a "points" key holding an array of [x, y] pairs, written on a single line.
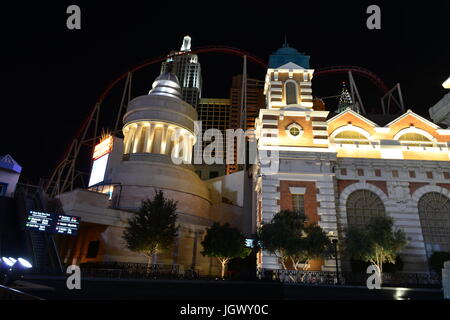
{"points": [[374, 20], [73, 21], [228, 149], [374, 280], [74, 279]]}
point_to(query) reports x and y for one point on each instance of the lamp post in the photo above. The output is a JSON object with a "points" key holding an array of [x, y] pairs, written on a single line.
{"points": [[335, 242]]}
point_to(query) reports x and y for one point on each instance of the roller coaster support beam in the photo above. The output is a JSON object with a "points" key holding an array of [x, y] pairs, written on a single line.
{"points": [[353, 91], [390, 96]]}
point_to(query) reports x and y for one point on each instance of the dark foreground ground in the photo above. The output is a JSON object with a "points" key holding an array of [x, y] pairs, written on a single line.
{"points": [[102, 289]]}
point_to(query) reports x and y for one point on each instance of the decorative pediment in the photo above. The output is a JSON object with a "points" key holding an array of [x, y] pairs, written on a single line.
{"points": [[412, 114], [353, 113], [292, 66]]}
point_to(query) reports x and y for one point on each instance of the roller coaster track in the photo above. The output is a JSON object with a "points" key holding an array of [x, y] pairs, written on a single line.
{"points": [[70, 157]]}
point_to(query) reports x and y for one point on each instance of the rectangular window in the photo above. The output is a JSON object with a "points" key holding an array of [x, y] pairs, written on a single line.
{"points": [[377, 173], [360, 172], [344, 171], [395, 173], [412, 174], [93, 249], [298, 203], [3, 187], [429, 175], [446, 175]]}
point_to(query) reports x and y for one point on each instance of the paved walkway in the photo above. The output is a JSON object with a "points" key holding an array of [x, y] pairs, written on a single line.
{"points": [[123, 289]]}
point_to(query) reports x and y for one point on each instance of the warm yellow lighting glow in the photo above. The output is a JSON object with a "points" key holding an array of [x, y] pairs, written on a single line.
{"points": [[446, 83]]}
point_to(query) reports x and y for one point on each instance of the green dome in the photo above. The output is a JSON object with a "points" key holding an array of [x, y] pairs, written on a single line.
{"points": [[287, 54]]}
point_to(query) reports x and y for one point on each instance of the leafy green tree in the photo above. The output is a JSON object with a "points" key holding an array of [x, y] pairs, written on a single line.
{"points": [[152, 229], [291, 238], [224, 243], [377, 242]]}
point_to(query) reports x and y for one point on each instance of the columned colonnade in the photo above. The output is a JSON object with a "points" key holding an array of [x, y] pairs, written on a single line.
{"points": [[159, 138]]}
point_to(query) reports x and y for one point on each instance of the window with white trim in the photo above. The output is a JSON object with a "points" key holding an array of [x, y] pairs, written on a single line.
{"points": [[362, 206], [350, 137], [415, 140], [298, 203], [434, 214], [291, 93]]}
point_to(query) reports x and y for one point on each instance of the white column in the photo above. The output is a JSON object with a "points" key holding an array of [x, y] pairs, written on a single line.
{"points": [[126, 142], [168, 140], [146, 136], [191, 145], [164, 139], [137, 139], [132, 134], [176, 146], [151, 136], [186, 150]]}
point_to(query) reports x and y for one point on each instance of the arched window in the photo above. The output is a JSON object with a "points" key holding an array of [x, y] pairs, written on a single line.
{"points": [[414, 140], [291, 93], [362, 205], [434, 213], [351, 137]]}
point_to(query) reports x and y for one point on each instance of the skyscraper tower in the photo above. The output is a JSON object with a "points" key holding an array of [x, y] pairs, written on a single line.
{"points": [[255, 100], [187, 69]]}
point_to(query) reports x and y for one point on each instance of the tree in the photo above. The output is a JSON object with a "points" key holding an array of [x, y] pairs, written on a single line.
{"points": [[376, 243], [291, 238], [224, 243], [152, 229], [345, 101]]}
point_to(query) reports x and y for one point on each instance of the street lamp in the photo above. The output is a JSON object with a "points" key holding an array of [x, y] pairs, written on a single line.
{"points": [[335, 242]]}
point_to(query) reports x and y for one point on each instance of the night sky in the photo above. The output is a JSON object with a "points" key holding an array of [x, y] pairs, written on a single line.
{"points": [[52, 76]]}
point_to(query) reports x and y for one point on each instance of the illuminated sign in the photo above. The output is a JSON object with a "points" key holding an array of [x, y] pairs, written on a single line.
{"points": [[104, 147], [98, 170], [40, 221], [67, 225], [53, 223]]}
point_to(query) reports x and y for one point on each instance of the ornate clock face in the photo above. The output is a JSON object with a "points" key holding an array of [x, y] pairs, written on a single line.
{"points": [[294, 130]]}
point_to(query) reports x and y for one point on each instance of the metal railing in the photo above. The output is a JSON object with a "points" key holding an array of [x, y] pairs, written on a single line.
{"points": [[124, 270], [413, 280], [298, 276]]}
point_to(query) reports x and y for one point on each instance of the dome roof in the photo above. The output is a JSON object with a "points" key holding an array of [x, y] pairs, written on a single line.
{"points": [[166, 84], [286, 54], [286, 50]]}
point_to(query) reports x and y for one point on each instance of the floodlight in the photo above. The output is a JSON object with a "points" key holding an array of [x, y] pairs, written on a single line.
{"points": [[25, 263], [8, 262]]}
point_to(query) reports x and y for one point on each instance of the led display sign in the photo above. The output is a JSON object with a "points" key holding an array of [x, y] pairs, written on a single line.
{"points": [[67, 225], [53, 223], [40, 221]]}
